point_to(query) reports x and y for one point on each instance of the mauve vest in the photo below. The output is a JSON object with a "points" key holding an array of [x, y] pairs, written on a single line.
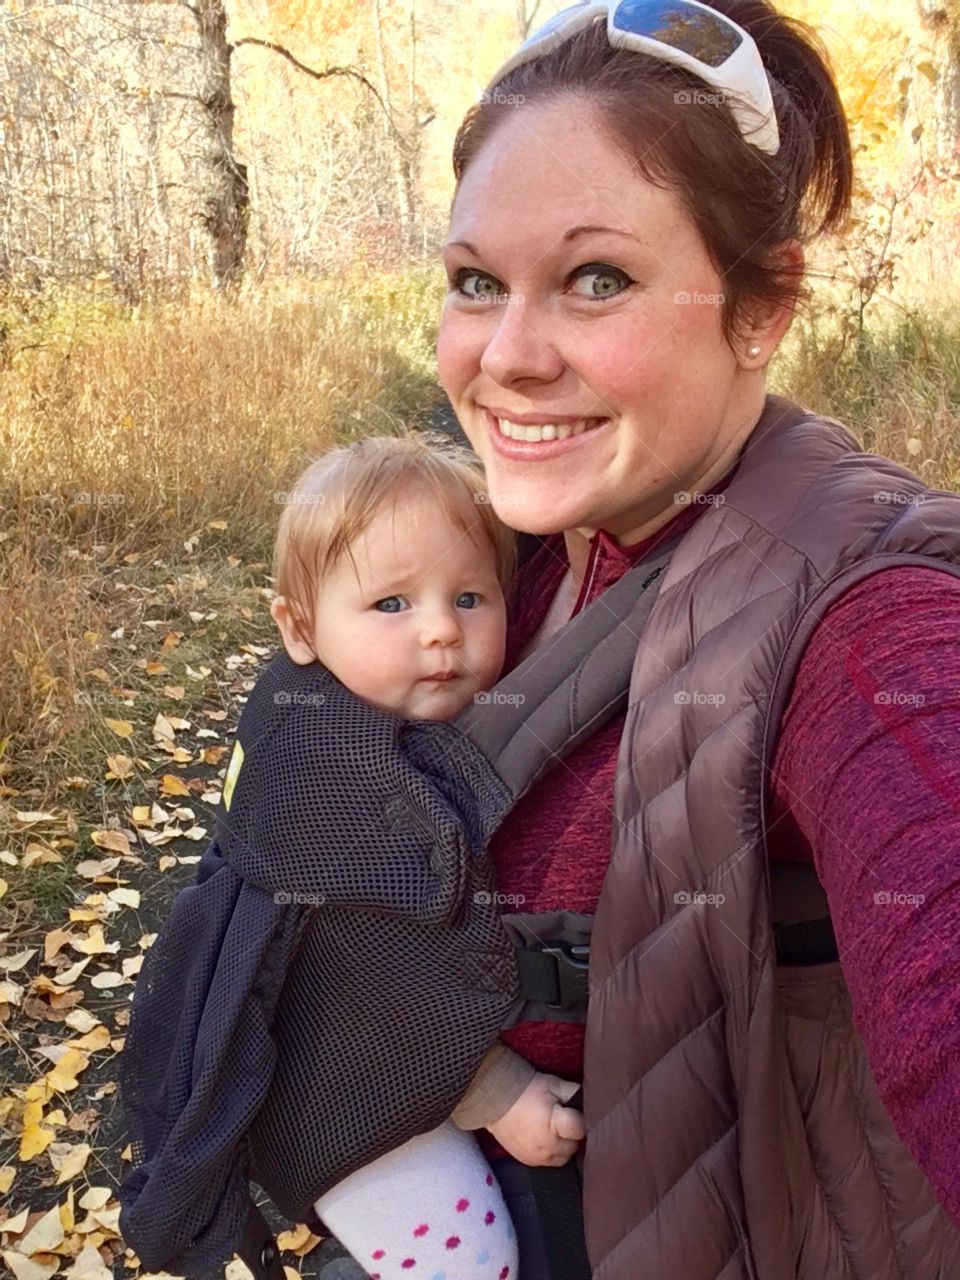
{"points": [[734, 1128]]}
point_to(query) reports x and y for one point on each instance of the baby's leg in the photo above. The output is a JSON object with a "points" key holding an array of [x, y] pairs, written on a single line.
{"points": [[430, 1210]]}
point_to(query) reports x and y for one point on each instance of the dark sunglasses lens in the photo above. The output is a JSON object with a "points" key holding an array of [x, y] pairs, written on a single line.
{"points": [[702, 34]]}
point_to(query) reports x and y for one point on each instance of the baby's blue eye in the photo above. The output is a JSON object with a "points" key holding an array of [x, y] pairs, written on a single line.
{"points": [[469, 595], [389, 600]]}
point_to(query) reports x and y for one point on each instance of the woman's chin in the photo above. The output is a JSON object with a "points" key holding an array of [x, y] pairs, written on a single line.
{"points": [[532, 515]]}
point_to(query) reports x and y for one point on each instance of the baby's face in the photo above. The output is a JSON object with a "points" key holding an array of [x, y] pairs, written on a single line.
{"points": [[427, 603]]}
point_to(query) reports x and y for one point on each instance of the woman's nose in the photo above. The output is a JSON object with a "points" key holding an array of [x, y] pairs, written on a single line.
{"points": [[519, 346]]}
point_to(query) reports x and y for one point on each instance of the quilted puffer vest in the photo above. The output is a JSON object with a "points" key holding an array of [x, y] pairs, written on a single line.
{"points": [[734, 1128]]}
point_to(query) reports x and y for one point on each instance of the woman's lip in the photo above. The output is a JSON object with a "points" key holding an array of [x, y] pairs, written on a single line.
{"points": [[443, 676], [531, 451]]}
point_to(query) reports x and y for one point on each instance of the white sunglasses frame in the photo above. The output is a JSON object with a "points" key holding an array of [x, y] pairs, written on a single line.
{"points": [[742, 74]]}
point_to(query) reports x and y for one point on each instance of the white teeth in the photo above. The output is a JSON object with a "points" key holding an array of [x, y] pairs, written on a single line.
{"points": [[545, 431]]}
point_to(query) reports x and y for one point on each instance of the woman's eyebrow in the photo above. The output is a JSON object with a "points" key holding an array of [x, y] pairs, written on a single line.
{"points": [[567, 235]]}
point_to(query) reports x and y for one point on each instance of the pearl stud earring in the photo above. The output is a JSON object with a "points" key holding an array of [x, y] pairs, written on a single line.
{"points": [[753, 351]]}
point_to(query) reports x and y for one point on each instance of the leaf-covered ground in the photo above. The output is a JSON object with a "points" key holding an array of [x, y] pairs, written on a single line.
{"points": [[87, 880]]}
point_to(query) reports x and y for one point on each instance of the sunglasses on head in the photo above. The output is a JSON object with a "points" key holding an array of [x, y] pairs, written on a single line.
{"points": [[684, 32]]}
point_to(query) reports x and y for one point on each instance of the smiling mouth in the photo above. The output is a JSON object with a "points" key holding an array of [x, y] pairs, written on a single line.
{"points": [[545, 430]]}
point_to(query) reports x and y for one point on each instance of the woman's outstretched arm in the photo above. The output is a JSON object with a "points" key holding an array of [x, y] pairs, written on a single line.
{"points": [[867, 775]]}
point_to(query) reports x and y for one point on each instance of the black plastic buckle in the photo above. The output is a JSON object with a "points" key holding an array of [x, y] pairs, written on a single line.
{"points": [[573, 967]]}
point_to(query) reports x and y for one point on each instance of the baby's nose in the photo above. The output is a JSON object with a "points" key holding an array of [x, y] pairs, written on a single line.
{"points": [[442, 627]]}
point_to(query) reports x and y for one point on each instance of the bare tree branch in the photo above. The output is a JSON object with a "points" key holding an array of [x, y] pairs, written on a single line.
{"points": [[312, 71]]}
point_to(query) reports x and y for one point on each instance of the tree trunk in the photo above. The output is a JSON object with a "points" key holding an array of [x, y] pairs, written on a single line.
{"points": [[942, 19], [226, 204]]}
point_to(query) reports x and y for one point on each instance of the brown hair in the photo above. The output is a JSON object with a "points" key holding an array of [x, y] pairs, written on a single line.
{"points": [[742, 201], [339, 494]]}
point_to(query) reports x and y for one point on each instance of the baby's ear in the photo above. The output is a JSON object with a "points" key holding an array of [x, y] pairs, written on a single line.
{"points": [[293, 630]]}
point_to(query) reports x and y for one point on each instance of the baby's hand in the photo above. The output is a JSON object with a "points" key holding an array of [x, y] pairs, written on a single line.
{"points": [[538, 1129]]}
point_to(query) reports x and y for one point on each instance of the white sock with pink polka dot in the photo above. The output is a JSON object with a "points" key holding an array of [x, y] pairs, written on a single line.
{"points": [[430, 1210]]}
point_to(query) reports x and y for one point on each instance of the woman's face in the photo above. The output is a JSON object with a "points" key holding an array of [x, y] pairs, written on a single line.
{"points": [[551, 320]]}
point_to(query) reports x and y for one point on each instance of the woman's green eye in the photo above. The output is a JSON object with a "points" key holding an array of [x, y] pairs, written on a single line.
{"points": [[481, 294], [612, 280]]}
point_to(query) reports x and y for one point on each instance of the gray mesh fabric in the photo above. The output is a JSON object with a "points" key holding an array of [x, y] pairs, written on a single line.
{"points": [[328, 986]]}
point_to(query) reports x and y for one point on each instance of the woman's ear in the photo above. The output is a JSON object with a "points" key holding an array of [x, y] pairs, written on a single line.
{"points": [[764, 329], [293, 630]]}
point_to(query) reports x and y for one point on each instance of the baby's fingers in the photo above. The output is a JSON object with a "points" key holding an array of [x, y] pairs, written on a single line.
{"points": [[567, 1122]]}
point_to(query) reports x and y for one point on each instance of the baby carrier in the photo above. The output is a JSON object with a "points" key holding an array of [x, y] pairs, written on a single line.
{"points": [[351, 918]]}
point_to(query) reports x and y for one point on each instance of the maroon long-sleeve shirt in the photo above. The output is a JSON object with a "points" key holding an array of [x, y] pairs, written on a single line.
{"points": [[865, 783]]}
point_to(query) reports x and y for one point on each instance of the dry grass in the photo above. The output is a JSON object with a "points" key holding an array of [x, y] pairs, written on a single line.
{"points": [[158, 438], [898, 387]]}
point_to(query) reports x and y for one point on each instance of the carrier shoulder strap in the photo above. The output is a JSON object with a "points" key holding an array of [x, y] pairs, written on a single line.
{"points": [[568, 687]]}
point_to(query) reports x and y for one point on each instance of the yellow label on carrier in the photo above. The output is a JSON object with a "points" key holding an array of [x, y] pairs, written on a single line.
{"points": [[233, 772]]}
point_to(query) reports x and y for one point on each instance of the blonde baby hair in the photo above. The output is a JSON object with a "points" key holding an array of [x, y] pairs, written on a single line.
{"points": [[338, 495]]}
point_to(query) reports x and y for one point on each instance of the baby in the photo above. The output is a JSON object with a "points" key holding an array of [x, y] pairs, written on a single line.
{"points": [[392, 570]]}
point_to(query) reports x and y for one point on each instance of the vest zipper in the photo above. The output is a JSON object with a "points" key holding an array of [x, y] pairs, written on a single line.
{"points": [[590, 574]]}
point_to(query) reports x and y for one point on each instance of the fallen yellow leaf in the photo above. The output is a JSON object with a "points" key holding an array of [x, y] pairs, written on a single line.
{"points": [[112, 841], [299, 1240], [94, 944], [121, 767], [125, 897], [54, 942], [18, 960], [171, 785], [63, 1077], [122, 728], [35, 855], [23, 1268], [94, 1197], [81, 1020], [7, 1174], [96, 1038], [45, 1234], [35, 1136], [69, 976], [69, 1162], [88, 1265]]}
